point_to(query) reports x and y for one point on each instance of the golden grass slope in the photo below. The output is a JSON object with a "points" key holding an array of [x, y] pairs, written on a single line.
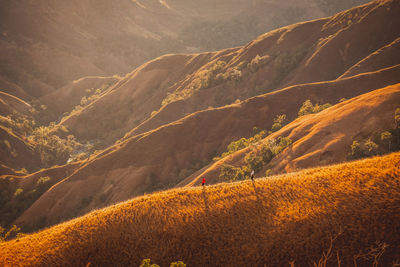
{"points": [[272, 221], [139, 163]]}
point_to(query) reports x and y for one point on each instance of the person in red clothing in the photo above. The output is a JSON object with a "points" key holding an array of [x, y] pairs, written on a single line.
{"points": [[203, 181]]}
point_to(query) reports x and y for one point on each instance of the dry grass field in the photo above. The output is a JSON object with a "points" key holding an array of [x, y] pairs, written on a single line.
{"points": [[341, 215]]}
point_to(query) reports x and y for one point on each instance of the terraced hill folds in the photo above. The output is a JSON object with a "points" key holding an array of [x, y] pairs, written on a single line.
{"points": [[166, 156], [44, 45], [170, 87], [348, 212]]}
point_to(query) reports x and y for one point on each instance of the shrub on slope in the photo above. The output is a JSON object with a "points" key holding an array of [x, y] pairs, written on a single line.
{"points": [[272, 221]]}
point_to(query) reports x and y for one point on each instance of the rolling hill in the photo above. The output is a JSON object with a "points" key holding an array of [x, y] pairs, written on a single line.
{"points": [[341, 214], [162, 124], [166, 156], [320, 139], [280, 58], [29, 187]]}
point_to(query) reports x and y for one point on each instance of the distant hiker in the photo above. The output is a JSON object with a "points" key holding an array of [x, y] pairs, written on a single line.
{"points": [[203, 181], [252, 175]]}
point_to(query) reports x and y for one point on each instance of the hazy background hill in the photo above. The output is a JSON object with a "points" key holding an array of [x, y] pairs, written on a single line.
{"points": [[46, 44]]}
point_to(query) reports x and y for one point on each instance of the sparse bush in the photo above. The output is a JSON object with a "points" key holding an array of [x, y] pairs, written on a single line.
{"points": [[371, 147], [308, 108], [147, 263], [356, 151], [83, 101], [178, 264], [231, 173], [243, 143], [43, 184], [53, 149], [5, 235], [255, 160], [18, 192], [279, 121], [257, 62], [387, 138]]}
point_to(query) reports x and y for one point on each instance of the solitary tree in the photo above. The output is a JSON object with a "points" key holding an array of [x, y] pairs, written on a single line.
{"points": [[387, 137]]}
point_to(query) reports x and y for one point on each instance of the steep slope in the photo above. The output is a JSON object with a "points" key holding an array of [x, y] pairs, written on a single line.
{"points": [[132, 99], [220, 78], [347, 213], [350, 40], [18, 191], [165, 156], [79, 92], [322, 138], [45, 45], [387, 56], [17, 153], [10, 104]]}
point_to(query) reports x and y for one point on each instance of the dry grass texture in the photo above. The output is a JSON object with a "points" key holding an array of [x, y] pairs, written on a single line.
{"points": [[272, 221]]}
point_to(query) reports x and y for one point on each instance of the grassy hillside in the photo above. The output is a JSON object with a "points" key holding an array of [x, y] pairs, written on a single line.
{"points": [[318, 139], [166, 156], [348, 213]]}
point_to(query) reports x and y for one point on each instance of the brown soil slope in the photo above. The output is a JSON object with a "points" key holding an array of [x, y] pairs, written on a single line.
{"points": [[322, 138], [165, 156], [387, 56], [355, 34], [352, 208], [66, 98], [32, 186], [16, 152], [217, 79], [10, 104], [132, 99]]}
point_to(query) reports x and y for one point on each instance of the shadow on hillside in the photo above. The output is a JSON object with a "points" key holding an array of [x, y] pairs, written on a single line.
{"points": [[206, 207], [259, 202]]}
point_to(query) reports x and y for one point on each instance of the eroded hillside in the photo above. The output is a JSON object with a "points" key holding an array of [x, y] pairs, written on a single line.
{"points": [[166, 156], [170, 87], [45, 45]]}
